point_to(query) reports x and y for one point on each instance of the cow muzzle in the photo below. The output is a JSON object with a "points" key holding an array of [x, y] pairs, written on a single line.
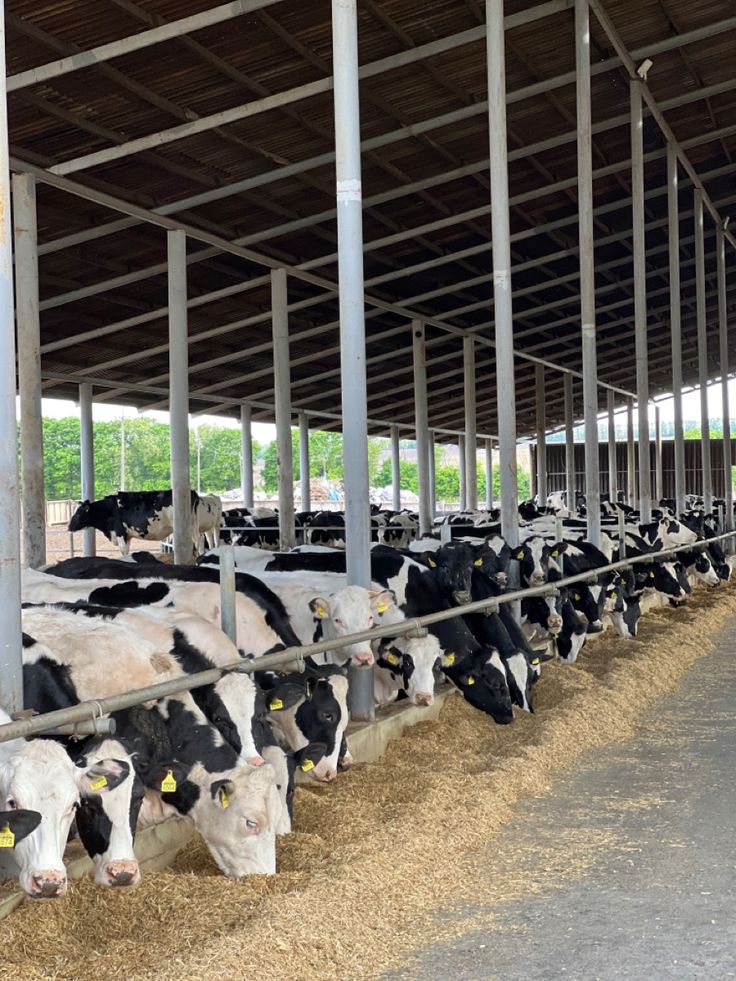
{"points": [[554, 624], [121, 873], [424, 698], [461, 597], [255, 760], [595, 627], [326, 775], [363, 658], [47, 884], [537, 578]]}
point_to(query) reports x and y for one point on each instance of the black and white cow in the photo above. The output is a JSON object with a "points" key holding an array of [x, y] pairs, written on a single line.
{"points": [[410, 665]]}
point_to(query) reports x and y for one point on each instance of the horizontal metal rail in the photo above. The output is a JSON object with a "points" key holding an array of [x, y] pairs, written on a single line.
{"points": [[97, 708]]}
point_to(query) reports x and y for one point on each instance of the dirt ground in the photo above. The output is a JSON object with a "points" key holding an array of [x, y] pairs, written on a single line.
{"points": [[61, 544]]}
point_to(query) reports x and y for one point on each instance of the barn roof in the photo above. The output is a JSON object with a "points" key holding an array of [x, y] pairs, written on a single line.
{"points": [[228, 130]]}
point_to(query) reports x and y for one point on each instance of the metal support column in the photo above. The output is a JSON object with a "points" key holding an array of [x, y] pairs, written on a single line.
{"points": [[471, 442], [723, 345], [29, 370], [181, 488], [502, 300], [569, 442], [246, 468], [432, 476], [282, 405], [419, 346], [707, 485], [489, 475], [352, 312], [658, 489], [612, 460], [11, 664], [541, 426], [630, 454], [640, 299], [395, 469], [87, 460], [304, 461], [673, 219], [463, 473], [587, 271]]}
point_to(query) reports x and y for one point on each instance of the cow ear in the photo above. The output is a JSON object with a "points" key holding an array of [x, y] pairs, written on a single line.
{"points": [[18, 824], [285, 695], [561, 547], [102, 777], [222, 792], [309, 756], [428, 559], [320, 607], [165, 776], [381, 601]]}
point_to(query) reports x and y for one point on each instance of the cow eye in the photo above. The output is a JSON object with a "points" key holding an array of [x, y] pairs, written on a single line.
{"points": [[338, 622], [11, 804], [252, 826], [370, 619], [328, 717]]}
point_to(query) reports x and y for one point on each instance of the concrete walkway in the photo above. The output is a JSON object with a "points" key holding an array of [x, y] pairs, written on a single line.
{"points": [[627, 869]]}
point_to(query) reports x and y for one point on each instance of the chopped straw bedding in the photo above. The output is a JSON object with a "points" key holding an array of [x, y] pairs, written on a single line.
{"points": [[373, 854]]}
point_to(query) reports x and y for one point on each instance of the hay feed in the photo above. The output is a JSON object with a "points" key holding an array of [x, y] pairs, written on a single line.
{"points": [[384, 845]]}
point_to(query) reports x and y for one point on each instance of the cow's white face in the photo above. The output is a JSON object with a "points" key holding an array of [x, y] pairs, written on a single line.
{"points": [[422, 654], [348, 611], [518, 674], [673, 532], [107, 821], [238, 694], [41, 777], [237, 813]]}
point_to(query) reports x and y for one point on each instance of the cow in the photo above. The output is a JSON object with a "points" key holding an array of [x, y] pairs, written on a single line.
{"points": [[408, 664], [189, 770], [39, 776], [309, 708], [207, 517]]}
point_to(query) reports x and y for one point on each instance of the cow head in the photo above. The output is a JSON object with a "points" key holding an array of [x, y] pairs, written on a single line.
{"points": [[703, 571], [107, 822], [80, 518], [538, 560], [42, 778], [230, 705], [237, 813], [416, 660], [663, 578], [452, 566], [349, 611]]}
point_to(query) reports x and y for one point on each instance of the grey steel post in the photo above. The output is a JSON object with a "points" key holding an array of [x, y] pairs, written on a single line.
{"points": [[726, 411], [432, 476], [463, 473], [471, 442], [350, 275], [587, 270], [181, 489], [352, 321], [640, 299], [569, 443], [282, 406], [419, 351], [707, 486], [658, 489], [541, 426], [630, 454], [29, 370], [246, 437], [673, 226], [228, 620], [622, 535], [395, 469], [501, 245], [489, 475], [11, 664], [612, 461], [87, 460], [304, 461]]}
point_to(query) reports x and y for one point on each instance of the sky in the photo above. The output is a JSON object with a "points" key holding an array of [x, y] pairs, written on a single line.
{"points": [[266, 432]]}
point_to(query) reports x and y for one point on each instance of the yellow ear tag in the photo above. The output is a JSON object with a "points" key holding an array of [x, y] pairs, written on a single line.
{"points": [[471, 680], [392, 658], [306, 765], [98, 784], [7, 838], [614, 597], [275, 704], [478, 562], [519, 555], [448, 660], [431, 563], [224, 799], [651, 575], [168, 784], [555, 553], [381, 607], [577, 597], [321, 611], [535, 660]]}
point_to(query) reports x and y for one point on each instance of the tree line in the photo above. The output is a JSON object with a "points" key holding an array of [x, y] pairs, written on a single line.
{"points": [[133, 454]]}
